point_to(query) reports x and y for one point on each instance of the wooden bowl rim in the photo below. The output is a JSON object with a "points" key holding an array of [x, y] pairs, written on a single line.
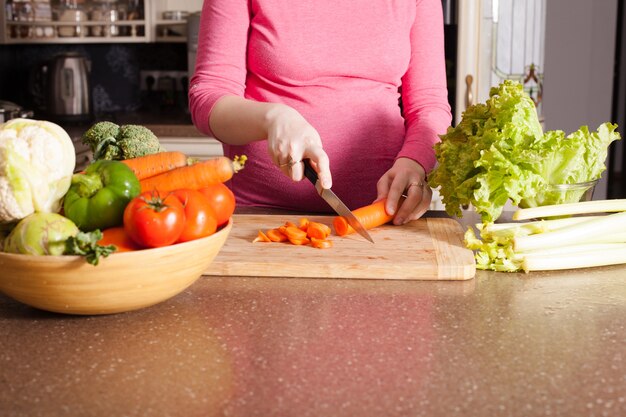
{"points": [[19, 257]]}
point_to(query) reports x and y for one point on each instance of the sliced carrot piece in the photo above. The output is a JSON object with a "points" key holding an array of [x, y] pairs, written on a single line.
{"points": [[318, 230], [293, 232], [321, 243], [296, 241], [261, 237], [290, 224], [303, 224], [275, 235]]}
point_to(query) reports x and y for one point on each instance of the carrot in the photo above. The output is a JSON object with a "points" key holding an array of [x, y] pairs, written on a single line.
{"points": [[305, 233], [296, 241], [321, 243], [117, 236], [370, 216], [199, 175], [261, 237], [317, 230], [292, 232], [303, 224], [276, 235], [155, 164]]}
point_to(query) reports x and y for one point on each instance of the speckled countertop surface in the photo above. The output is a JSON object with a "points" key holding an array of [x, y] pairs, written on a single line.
{"points": [[539, 344]]}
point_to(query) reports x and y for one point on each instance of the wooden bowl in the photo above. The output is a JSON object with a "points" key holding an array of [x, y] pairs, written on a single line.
{"points": [[123, 281]]}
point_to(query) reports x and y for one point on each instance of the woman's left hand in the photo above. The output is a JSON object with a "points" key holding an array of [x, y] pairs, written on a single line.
{"points": [[405, 177]]}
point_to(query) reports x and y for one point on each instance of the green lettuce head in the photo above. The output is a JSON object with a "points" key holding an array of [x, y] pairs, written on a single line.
{"points": [[499, 152]]}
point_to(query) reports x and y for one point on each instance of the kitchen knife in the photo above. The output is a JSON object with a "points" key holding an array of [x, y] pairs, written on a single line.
{"points": [[334, 201]]}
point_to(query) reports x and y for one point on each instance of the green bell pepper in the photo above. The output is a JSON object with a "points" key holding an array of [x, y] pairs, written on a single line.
{"points": [[97, 198]]}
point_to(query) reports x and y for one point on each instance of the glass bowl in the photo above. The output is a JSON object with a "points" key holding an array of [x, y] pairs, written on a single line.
{"points": [[561, 194], [572, 193]]}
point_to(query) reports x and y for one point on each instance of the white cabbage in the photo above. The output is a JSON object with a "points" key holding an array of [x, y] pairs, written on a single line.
{"points": [[37, 160]]}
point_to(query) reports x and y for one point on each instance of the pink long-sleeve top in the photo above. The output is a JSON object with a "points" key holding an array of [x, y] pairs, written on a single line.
{"points": [[341, 65]]}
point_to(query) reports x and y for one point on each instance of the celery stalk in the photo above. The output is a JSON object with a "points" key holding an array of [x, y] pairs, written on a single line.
{"points": [[583, 207], [538, 226], [583, 256], [578, 233]]}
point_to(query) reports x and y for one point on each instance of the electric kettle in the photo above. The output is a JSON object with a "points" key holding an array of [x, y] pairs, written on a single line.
{"points": [[68, 87]]}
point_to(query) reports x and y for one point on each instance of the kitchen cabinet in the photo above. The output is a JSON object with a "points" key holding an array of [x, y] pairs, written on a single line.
{"points": [[93, 21], [169, 19]]}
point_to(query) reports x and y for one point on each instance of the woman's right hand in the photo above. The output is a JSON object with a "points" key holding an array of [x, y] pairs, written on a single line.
{"points": [[290, 139]]}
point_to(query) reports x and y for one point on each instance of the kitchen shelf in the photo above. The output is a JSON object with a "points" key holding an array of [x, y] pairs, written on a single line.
{"points": [[153, 28], [136, 26], [170, 30]]}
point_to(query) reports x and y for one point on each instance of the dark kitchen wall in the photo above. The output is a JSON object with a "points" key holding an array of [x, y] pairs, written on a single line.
{"points": [[115, 70]]}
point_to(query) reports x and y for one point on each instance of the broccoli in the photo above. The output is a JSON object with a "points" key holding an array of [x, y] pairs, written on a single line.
{"points": [[101, 138], [110, 141]]}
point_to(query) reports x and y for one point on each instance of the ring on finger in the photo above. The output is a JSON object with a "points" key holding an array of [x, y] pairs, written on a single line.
{"points": [[416, 184], [289, 163]]}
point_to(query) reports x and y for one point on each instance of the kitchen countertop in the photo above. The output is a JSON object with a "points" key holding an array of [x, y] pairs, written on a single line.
{"points": [[502, 344]]}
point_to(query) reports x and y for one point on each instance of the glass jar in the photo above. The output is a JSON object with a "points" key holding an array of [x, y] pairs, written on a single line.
{"points": [[22, 11], [105, 11], [71, 12]]}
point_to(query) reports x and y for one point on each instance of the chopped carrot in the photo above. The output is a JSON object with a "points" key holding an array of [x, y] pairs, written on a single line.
{"points": [[199, 175], [370, 216], [317, 230], [275, 235], [158, 163], [261, 237], [297, 241], [293, 232], [321, 243], [303, 224], [306, 232]]}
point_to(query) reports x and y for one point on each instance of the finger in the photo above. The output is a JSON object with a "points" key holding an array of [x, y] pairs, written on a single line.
{"points": [[321, 163], [396, 190], [414, 195], [382, 187], [423, 206], [297, 170]]}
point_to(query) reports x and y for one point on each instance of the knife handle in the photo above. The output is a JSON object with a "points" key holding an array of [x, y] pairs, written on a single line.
{"points": [[309, 172]]}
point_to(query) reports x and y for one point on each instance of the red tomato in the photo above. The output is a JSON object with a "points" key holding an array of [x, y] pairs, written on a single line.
{"points": [[222, 200], [200, 220], [153, 219]]}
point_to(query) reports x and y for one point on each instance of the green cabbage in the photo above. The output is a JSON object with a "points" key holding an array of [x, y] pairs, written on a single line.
{"points": [[40, 234], [499, 153]]}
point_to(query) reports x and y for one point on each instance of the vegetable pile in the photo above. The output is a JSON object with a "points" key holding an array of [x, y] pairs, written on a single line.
{"points": [[134, 195], [499, 152], [305, 233], [317, 234], [594, 239]]}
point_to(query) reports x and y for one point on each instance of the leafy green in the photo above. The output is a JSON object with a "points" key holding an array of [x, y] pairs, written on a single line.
{"points": [[86, 244], [499, 152]]}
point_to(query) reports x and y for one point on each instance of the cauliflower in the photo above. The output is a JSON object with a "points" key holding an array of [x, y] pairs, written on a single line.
{"points": [[110, 141], [37, 160]]}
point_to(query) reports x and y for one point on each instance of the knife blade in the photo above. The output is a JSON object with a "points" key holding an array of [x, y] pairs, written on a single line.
{"points": [[334, 202]]}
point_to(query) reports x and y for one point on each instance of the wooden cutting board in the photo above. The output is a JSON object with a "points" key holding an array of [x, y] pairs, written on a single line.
{"points": [[426, 249]]}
